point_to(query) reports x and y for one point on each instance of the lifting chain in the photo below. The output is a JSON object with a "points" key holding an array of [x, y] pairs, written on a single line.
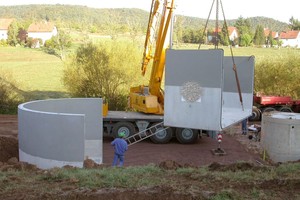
{"points": [[217, 42]]}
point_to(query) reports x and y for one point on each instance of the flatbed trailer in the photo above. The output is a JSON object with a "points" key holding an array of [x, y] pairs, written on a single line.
{"points": [[267, 103], [133, 122]]}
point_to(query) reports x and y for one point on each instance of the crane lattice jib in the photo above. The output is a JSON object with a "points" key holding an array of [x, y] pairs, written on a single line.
{"points": [[153, 22], [161, 46]]}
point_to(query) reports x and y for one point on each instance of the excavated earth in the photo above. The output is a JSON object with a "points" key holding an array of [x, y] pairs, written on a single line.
{"points": [[167, 156]]}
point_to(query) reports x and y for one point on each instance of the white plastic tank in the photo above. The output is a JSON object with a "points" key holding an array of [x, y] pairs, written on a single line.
{"points": [[280, 136]]}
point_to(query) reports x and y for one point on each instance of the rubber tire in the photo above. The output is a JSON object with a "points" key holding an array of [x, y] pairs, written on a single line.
{"points": [[268, 109], [183, 138], [162, 138], [256, 114], [123, 126], [285, 109]]}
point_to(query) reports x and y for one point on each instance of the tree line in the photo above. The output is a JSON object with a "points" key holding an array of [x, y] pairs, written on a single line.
{"points": [[133, 21]]}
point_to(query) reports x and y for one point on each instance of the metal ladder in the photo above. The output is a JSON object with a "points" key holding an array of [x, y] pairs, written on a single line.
{"points": [[142, 135]]}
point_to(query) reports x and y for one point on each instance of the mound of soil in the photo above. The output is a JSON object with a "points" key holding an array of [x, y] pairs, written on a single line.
{"points": [[8, 148]]}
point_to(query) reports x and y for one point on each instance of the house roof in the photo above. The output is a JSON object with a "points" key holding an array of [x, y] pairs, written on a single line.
{"points": [[231, 29], [267, 33], [4, 23], [41, 27], [289, 34]]}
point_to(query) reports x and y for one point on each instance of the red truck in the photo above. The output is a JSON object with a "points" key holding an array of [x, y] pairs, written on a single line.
{"points": [[264, 103]]}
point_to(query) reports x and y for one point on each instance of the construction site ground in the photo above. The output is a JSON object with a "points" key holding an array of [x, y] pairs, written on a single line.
{"points": [[238, 148]]}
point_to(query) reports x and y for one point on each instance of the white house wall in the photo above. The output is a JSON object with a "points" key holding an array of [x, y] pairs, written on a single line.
{"points": [[233, 35], [3, 34], [291, 42], [43, 35]]}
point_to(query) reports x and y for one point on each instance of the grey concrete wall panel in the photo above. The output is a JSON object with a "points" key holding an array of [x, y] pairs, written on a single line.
{"points": [[193, 89], [201, 66], [75, 105], [53, 133], [232, 109], [245, 70], [57, 137], [201, 90]]}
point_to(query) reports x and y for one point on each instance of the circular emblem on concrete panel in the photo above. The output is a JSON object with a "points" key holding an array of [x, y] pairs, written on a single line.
{"points": [[191, 91]]}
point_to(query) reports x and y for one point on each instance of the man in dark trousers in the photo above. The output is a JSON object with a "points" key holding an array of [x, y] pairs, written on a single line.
{"points": [[120, 146]]}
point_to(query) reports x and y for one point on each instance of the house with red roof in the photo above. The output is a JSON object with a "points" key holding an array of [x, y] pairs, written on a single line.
{"points": [[232, 32], [290, 39], [4, 24], [267, 32], [42, 30]]}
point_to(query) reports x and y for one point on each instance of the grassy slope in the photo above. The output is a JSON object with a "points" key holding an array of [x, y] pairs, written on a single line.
{"points": [[32, 68]]}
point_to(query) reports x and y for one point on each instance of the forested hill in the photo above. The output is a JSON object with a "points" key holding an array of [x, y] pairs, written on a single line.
{"points": [[83, 18]]}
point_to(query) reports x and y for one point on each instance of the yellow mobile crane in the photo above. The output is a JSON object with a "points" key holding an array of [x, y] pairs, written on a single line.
{"points": [[148, 101]]}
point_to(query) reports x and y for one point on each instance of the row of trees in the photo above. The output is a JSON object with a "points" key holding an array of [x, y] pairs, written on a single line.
{"points": [[246, 36]]}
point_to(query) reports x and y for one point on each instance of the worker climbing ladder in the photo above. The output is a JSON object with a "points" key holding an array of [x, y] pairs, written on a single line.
{"points": [[142, 135]]}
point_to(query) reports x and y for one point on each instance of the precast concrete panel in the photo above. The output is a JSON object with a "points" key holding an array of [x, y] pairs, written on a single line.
{"points": [[55, 137], [58, 132], [233, 110], [193, 88], [201, 89]]}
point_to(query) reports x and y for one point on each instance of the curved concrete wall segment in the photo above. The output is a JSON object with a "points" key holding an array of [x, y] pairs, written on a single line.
{"points": [[58, 132]]}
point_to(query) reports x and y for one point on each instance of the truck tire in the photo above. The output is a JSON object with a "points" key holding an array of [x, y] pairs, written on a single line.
{"points": [[285, 109], [268, 109], [256, 114], [163, 136], [186, 135], [126, 127]]}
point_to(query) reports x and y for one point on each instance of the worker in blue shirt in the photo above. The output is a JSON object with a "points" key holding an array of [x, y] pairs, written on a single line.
{"points": [[120, 146]]}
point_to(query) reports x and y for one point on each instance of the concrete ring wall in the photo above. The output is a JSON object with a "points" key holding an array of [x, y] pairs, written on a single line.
{"points": [[59, 132]]}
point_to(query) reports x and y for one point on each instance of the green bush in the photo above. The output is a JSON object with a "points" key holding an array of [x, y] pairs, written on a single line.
{"points": [[10, 95], [106, 70], [278, 76]]}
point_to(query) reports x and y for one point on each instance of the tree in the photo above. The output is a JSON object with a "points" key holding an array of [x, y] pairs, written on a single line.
{"points": [[244, 28], [58, 44], [22, 36], [103, 70], [259, 36], [12, 34], [294, 24], [270, 40], [224, 38]]}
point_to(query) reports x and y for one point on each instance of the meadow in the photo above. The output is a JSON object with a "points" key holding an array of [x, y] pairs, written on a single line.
{"points": [[33, 70]]}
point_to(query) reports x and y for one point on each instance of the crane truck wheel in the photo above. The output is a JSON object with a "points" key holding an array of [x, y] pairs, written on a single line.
{"points": [[186, 135], [285, 109], [162, 136], [256, 114], [268, 109], [126, 127]]}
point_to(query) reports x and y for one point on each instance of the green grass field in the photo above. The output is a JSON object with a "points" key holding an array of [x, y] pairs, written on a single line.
{"points": [[260, 53], [34, 71]]}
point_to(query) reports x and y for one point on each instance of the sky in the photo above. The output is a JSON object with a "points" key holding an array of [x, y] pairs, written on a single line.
{"points": [[278, 10]]}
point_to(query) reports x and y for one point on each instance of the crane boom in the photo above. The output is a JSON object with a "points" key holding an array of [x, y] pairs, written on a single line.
{"points": [[150, 99]]}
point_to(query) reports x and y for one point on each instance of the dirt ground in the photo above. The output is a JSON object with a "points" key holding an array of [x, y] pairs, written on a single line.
{"points": [[146, 152], [168, 156]]}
